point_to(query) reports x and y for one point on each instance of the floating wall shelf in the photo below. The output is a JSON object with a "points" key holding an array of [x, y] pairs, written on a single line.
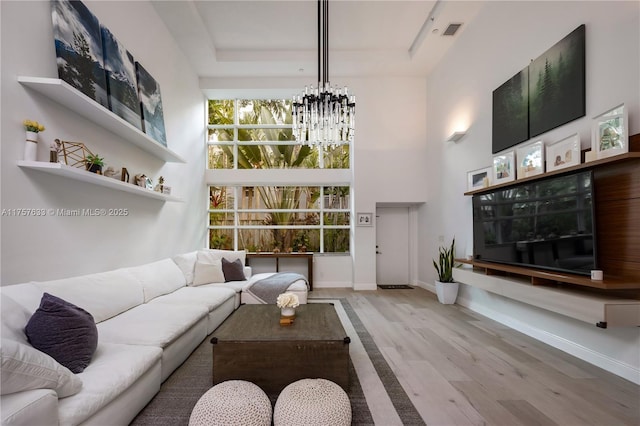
{"points": [[62, 93], [597, 309], [542, 277], [95, 179]]}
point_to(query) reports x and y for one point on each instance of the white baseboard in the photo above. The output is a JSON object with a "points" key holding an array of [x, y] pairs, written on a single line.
{"points": [[605, 362], [332, 284], [427, 286], [364, 286]]}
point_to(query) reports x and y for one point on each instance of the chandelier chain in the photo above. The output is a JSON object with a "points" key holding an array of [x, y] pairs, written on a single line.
{"points": [[325, 115]]}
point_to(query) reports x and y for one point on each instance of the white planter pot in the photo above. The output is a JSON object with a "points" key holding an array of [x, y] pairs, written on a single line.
{"points": [[447, 292], [288, 312], [31, 146]]}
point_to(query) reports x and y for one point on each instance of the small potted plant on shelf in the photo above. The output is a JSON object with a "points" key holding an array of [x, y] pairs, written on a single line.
{"points": [[94, 163], [446, 287]]}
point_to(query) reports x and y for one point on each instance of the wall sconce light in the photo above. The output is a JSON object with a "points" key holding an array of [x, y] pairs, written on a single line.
{"points": [[456, 136]]}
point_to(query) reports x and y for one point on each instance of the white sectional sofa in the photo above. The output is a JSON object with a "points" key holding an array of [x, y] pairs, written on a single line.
{"points": [[149, 319]]}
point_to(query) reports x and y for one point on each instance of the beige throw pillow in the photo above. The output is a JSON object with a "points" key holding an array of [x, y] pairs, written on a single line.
{"points": [[208, 272], [213, 254]]}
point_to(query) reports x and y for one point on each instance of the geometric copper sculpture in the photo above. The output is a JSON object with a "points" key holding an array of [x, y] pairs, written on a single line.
{"points": [[75, 153]]}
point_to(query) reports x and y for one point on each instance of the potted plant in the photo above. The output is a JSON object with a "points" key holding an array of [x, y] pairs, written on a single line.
{"points": [[94, 163], [446, 287]]}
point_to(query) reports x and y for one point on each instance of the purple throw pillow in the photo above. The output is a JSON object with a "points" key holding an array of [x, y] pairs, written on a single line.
{"points": [[233, 271], [63, 331]]}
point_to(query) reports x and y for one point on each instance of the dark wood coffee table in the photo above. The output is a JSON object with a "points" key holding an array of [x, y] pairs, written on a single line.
{"points": [[252, 345]]}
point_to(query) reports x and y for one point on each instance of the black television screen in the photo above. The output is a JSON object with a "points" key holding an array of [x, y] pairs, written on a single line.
{"points": [[546, 223]]}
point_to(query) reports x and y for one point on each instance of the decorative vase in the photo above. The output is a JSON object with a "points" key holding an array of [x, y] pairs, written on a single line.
{"points": [[288, 312], [447, 292], [31, 147]]}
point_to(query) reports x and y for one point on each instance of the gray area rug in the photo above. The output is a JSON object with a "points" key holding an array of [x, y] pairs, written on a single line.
{"points": [[180, 392]]}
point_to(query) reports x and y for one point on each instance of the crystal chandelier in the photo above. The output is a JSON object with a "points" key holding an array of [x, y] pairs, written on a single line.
{"points": [[324, 115]]}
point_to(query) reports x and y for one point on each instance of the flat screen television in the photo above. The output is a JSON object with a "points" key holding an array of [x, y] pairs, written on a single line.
{"points": [[547, 224]]}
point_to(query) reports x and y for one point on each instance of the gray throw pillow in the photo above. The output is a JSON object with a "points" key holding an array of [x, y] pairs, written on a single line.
{"points": [[233, 271], [64, 331]]}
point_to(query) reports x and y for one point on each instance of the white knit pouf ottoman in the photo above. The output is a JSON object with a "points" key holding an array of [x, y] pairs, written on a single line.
{"points": [[234, 402], [312, 402]]}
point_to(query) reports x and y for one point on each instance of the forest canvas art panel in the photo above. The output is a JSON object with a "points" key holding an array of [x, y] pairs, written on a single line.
{"points": [[151, 102], [557, 84], [79, 54], [511, 112], [121, 80]]}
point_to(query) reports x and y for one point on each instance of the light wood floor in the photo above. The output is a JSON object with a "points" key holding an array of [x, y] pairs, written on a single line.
{"points": [[460, 368]]}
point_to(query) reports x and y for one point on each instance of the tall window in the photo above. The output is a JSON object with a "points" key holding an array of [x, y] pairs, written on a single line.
{"points": [[256, 134], [289, 218]]}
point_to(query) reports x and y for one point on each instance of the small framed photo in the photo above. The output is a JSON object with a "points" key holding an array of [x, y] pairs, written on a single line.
{"points": [[564, 153], [611, 132], [364, 219], [530, 159], [504, 167], [478, 179]]}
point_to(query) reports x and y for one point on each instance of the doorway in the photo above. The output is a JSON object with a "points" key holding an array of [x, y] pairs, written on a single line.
{"points": [[392, 245]]}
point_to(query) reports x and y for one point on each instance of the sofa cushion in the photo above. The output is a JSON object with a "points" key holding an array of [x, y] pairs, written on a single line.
{"points": [[236, 286], [26, 368], [208, 272], [114, 369], [103, 295], [158, 278], [153, 324], [210, 296], [14, 316], [233, 271], [34, 407], [187, 264], [230, 255], [64, 331]]}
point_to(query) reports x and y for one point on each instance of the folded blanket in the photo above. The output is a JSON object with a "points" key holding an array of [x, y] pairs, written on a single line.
{"points": [[267, 289]]}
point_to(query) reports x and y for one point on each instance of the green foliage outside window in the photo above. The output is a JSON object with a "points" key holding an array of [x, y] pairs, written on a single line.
{"points": [[285, 217], [268, 156]]}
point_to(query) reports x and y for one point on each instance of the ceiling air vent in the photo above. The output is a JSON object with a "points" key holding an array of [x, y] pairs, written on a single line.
{"points": [[451, 29]]}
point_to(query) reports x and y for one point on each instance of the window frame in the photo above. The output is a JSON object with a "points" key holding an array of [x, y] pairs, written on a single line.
{"points": [[236, 179], [235, 143], [236, 227]]}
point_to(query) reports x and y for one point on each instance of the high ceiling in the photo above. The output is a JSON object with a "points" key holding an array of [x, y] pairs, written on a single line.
{"points": [[264, 38]]}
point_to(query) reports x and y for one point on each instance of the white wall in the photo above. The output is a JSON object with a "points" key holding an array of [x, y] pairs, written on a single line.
{"points": [[501, 41], [39, 248], [389, 157]]}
